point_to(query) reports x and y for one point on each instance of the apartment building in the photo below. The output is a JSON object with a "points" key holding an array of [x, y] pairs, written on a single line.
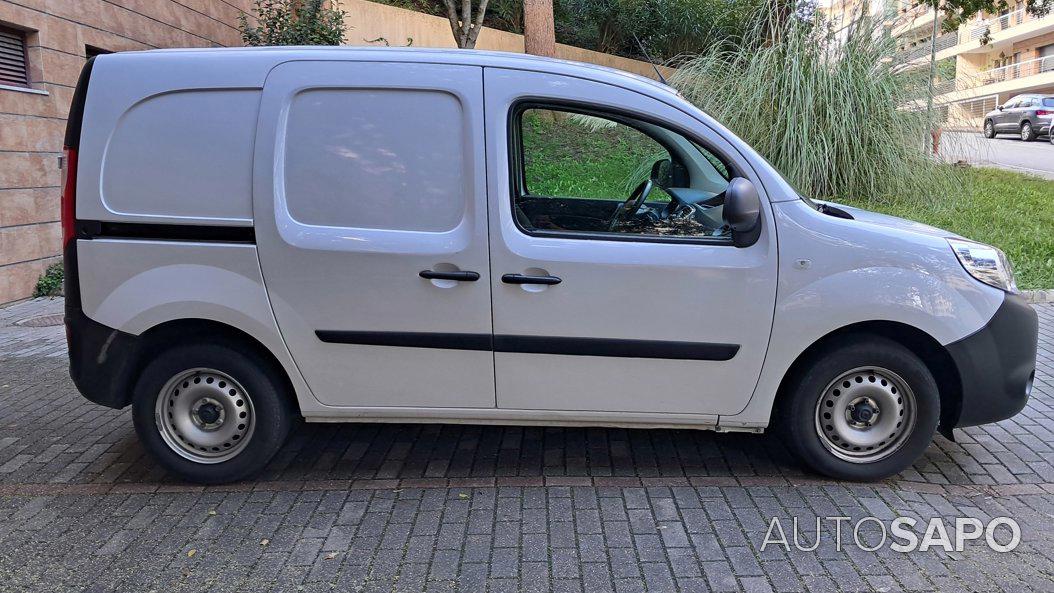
{"points": [[43, 44], [983, 63], [980, 65]]}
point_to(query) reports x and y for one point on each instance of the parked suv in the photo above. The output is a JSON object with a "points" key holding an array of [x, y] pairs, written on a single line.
{"points": [[417, 235], [1028, 116]]}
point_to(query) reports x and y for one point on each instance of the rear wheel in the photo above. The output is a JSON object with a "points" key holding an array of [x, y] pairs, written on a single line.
{"points": [[863, 410], [211, 413], [1027, 133], [989, 129]]}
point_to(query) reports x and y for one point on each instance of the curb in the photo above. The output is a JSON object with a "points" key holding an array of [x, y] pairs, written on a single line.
{"points": [[1038, 296]]}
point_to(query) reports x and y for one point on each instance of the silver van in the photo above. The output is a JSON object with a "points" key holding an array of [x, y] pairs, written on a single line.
{"points": [[252, 236]]}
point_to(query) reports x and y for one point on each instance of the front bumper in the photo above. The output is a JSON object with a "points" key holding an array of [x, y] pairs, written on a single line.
{"points": [[996, 366]]}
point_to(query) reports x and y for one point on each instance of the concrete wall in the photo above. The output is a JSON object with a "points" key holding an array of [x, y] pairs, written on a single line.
{"points": [[32, 120], [368, 21]]}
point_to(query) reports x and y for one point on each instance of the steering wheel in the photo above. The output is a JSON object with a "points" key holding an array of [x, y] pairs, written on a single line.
{"points": [[633, 203]]}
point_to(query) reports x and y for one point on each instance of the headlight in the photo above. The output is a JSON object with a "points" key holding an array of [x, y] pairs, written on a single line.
{"points": [[986, 263]]}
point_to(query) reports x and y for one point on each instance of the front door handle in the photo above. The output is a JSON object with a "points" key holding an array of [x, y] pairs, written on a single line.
{"points": [[465, 276], [523, 279]]}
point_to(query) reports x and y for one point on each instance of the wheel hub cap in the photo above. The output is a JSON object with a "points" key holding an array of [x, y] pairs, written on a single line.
{"points": [[204, 415], [207, 414], [865, 414]]}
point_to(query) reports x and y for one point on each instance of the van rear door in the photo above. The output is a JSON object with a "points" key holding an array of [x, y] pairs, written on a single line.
{"points": [[370, 212]]}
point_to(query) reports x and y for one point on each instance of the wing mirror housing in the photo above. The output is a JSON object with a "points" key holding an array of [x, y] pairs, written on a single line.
{"points": [[662, 172], [999, 107], [742, 212]]}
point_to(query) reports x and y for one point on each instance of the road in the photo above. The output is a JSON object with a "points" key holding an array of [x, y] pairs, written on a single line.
{"points": [[454, 508], [1004, 151]]}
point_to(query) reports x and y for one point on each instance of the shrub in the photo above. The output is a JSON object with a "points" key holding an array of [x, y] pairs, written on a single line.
{"points": [[50, 282], [835, 116], [293, 22]]}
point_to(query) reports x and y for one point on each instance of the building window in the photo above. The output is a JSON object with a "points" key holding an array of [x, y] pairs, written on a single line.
{"points": [[90, 51], [13, 62]]}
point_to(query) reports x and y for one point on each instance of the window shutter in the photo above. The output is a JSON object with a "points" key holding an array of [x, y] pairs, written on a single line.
{"points": [[13, 58]]}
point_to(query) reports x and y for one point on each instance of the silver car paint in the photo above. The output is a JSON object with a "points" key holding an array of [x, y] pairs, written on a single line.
{"points": [[830, 272]]}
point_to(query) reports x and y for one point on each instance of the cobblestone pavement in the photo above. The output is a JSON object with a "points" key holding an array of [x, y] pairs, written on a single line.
{"points": [[379, 507]]}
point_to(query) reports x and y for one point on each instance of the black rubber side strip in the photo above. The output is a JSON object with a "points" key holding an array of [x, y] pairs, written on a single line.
{"points": [[409, 339], [616, 348], [92, 229], [537, 344]]}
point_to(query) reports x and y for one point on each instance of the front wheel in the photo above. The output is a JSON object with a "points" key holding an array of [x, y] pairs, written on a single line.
{"points": [[211, 413], [989, 129], [1027, 133], [865, 409]]}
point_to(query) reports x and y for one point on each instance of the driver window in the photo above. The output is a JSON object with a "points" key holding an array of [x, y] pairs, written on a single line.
{"points": [[589, 173]]}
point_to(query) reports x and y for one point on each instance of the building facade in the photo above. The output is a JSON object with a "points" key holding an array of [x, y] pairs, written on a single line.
{"points": [[980, 65], [985, 62], [43, 44]]}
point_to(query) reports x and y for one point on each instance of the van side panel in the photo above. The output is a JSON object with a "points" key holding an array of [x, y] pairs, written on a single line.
{"points": [[185, 154], [169, 140], [132, 286]]}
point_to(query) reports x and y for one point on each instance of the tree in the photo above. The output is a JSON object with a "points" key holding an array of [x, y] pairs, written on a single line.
{"points": [[539, 28], [463, 25], [294, 22]]}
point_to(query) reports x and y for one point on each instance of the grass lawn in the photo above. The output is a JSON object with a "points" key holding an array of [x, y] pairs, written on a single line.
{"points": [[1012, 211]]}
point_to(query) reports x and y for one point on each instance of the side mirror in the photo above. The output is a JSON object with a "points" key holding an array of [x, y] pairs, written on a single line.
{"points": [[662, 172], [742, 212], [999, 107]]}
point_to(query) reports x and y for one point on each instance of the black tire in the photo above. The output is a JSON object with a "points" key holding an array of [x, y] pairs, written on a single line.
{"points": [[1028, 133], [272, 413], [989, 129], [801, 406]]}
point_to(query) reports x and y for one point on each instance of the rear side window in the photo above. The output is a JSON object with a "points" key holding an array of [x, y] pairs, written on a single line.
{"points": [[1048, 102], [376, 159]]}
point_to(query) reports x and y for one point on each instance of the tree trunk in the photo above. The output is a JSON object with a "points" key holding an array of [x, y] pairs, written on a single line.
{"points": [[539, 33]]}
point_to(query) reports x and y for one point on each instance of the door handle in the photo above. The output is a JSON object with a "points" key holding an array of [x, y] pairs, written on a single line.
{"points": [[465, 276], [522, 279]]}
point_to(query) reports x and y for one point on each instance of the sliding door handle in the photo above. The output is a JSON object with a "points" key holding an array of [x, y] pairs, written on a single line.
{"points": [[522, 279], [459, 276]]}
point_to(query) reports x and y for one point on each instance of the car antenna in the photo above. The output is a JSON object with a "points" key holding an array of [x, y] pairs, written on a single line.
{"points": [[650, 61]]}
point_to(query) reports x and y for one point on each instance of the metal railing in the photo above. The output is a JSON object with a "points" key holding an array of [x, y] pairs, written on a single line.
{"points": [[995, 24], [923, 49], [1001, 74], [910, 14]]}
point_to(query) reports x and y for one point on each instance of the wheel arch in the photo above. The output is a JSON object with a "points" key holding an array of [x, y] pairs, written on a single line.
{"points": [[930, 351], [174, 332]]}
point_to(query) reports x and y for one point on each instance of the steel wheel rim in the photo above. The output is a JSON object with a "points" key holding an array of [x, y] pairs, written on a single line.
{"points": [[848, 431], [204, 415]]}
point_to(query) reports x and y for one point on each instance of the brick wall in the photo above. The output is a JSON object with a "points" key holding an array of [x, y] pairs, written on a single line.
{"points": [[32, 121]]}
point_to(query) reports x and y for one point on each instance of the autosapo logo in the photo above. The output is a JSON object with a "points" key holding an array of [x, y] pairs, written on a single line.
{"points": [[1001, 534]]}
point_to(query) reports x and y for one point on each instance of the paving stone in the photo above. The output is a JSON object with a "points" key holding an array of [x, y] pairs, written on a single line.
{"points": [[392, 507]]}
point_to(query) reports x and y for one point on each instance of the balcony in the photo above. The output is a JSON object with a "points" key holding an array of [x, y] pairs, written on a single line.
{"points": [[922, 50], [912, 18], [976, 31], [1002, 31], [1013, 78]]}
